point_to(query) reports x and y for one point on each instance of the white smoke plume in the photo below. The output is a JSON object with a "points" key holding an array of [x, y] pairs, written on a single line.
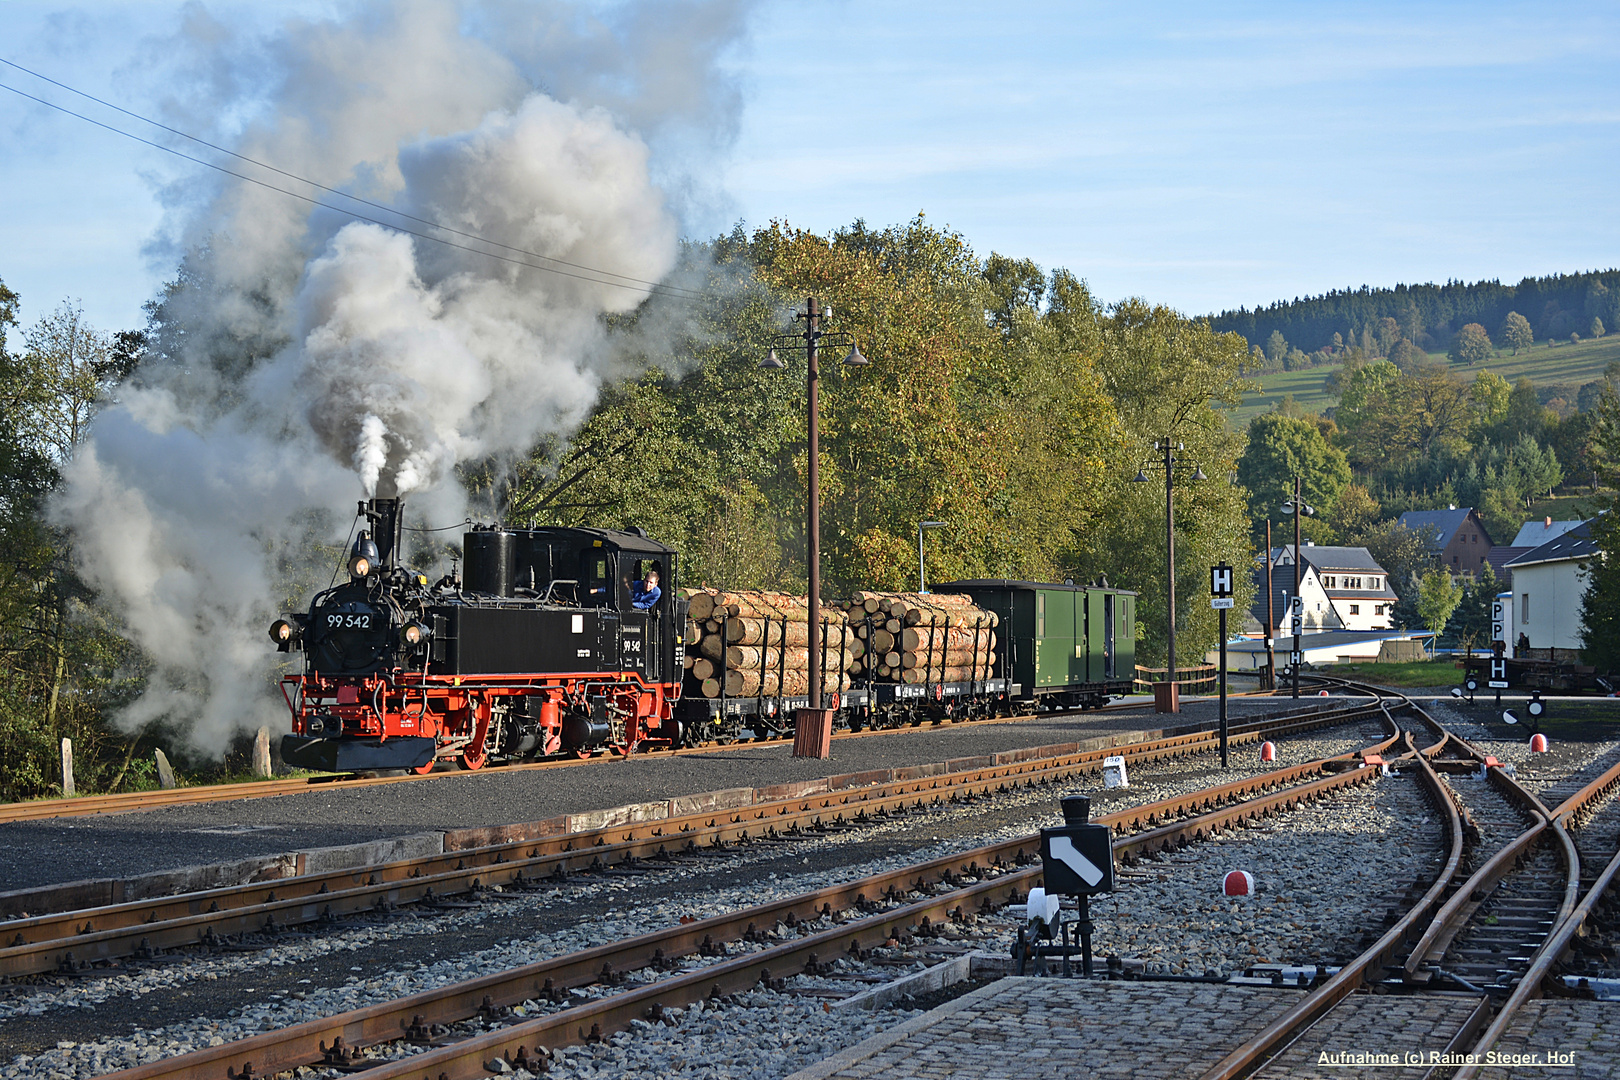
{"points": [[311, 359]]}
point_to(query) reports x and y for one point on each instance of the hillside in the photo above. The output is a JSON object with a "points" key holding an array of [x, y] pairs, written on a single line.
{"points": [[1544, 365]]}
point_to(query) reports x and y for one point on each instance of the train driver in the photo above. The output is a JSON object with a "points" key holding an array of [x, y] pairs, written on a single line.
{"points": [[645, 593]]}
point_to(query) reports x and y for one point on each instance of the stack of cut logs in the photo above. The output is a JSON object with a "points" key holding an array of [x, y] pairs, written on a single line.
{"points": [[750, 643], [920, 638]]}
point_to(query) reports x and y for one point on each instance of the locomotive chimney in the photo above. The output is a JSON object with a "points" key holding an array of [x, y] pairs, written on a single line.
{"points": [[388, 525]]}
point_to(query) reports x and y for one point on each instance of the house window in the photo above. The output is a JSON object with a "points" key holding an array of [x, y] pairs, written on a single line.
{"points": [[1355, 609], [1524, 608], [1329, 581], [1454, 560], [1378, 609], [1372, 583]]}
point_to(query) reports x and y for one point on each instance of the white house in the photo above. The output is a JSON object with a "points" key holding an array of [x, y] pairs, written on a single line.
{"points": [[1319, 611], [1548, 584], [1344, 588]]}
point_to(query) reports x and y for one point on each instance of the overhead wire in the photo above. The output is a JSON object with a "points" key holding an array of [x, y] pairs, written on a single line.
{"points": [[625, 281]]}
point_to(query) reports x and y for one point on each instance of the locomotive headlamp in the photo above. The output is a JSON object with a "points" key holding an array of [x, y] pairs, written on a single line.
{"points": [[363, 556], [413, 633], [281, 631]]}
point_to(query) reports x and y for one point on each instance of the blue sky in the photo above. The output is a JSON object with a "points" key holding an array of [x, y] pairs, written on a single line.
{"points": [[1204, 156]]}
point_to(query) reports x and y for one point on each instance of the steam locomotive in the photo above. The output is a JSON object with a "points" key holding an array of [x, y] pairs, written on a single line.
{"points": [[541, 651]]}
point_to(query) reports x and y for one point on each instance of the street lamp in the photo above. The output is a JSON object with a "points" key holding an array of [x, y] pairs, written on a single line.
{"points": [[1169, 451], [922, 575], [1297, 507], [814, 338]]}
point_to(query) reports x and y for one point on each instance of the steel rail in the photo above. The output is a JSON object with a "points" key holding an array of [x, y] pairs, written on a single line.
{"points": [[135, 801], [304, 1044], [75, 938], [1558, 943], [408, 882], [1319, 1003], [89, 926], [1454, 914], [1365, 967]]}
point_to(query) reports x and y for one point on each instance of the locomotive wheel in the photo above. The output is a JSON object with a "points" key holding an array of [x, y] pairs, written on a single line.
{"points": [[472, 762]]}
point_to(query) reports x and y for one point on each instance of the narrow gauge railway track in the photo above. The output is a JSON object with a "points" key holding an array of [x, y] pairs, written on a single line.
{"points": [[1543, 972], [951, 888], [68, 942], [1404, 948], [126, 802]]}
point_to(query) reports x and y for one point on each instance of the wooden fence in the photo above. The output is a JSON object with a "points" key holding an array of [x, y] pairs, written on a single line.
{"points": [[1203, 679]]}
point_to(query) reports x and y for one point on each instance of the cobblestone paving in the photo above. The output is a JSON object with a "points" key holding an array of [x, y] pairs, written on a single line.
{"points": [[1059, 1029], [1367, 1035], [1584, 1034]]}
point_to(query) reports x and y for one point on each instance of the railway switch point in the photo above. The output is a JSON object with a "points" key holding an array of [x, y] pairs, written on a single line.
{"points": [[1268, 751], [1538, 743], [1238, 883]]}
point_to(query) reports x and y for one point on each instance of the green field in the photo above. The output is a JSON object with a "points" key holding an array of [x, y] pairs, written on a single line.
{"points": [[1542, 364], [1412, 674]]}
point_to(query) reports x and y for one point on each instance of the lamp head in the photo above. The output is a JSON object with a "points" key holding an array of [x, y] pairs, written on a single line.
{"points": [[363, 556], [1140, 477], [772, 362], [854, 358], [1199, 475]]}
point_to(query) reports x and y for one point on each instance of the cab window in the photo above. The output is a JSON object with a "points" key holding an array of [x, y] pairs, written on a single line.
{"points": [[596, 574]]}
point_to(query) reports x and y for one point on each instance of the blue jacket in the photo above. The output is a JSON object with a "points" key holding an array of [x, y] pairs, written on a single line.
{"points": [[642, 598]]}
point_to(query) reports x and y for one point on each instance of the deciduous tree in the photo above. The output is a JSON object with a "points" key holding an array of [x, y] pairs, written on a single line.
{"points": [[1438, 597], [1281, 448], [1516, 333], [1471, 345]]}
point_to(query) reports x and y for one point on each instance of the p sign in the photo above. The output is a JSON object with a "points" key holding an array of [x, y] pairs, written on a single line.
{"points": [[1220, 580], [1498, 621]]}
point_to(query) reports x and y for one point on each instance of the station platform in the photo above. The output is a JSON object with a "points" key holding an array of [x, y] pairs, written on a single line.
{"points": [[254, 839]]}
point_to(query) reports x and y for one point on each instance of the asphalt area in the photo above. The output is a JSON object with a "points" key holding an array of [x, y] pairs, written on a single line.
{"points": [[37, 853]]}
